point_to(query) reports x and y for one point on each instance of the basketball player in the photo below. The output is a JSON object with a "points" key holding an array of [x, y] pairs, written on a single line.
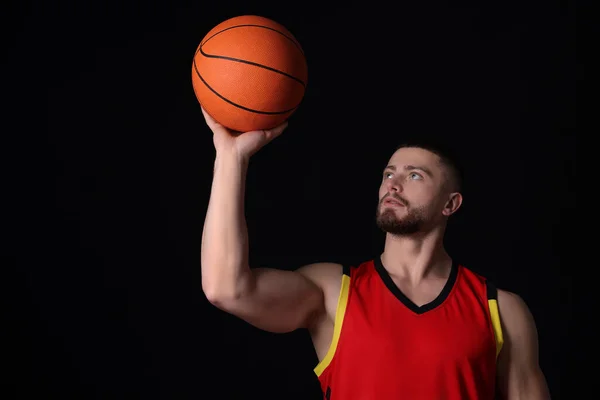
{"points": [[410, 324]]}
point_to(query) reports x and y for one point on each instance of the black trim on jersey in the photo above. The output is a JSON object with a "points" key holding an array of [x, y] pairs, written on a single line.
{"points": [[328, 393], [346, 270], [387, 279], [492, 292]]}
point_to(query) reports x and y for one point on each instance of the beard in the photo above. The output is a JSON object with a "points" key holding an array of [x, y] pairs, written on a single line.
{"points": [[414, 221]]}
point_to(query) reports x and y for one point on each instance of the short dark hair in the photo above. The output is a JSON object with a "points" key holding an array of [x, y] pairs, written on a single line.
{"points": [[447, 157]]}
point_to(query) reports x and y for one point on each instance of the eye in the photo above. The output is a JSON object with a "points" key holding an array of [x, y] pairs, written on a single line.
{"points": [[387, 175], [415, 176]]}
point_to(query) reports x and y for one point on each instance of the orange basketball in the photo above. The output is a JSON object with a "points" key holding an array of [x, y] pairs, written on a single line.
{"points": [[249, 73]]}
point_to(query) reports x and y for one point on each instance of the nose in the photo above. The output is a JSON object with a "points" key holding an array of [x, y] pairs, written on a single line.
{"points": [[394, 186]]}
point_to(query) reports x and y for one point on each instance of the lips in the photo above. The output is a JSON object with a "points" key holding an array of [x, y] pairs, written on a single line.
{"points": [[393, 201]]}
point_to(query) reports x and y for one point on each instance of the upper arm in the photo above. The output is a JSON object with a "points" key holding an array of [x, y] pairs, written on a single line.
{"points": [[519, 372], [283, 301]]}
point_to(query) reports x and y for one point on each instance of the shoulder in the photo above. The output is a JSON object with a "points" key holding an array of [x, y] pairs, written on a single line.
{"points": [[324, 275], [515, 314], [511, 302], [519, 371], [328, 278]]}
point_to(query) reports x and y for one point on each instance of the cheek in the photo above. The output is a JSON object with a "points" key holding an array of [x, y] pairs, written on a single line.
{"points": [[417, 191], [438, 203], [425, 197]]}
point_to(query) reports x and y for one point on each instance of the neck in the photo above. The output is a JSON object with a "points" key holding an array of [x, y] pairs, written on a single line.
{"points": [[417, 256]]}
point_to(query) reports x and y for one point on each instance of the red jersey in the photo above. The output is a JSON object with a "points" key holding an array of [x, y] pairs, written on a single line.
{"points": [[386, 347]]}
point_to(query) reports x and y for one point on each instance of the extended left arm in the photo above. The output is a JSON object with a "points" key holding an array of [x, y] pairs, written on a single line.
{"points": [[519, 373]]}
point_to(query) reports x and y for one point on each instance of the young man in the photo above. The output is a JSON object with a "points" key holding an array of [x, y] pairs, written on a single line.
{"points": [[411, 324]]}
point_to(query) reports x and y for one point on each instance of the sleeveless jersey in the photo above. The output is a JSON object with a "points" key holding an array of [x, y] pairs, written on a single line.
{"points": [[386, 347]]}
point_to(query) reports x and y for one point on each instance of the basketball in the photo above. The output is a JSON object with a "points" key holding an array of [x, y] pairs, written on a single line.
{"points": [[249, 73]]}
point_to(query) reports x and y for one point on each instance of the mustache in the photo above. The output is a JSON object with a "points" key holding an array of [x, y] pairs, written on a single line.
{"points": [[395, 197]]}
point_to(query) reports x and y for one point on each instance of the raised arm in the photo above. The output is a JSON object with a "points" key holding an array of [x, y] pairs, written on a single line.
{"points": [[270, 299], [519, 374]]}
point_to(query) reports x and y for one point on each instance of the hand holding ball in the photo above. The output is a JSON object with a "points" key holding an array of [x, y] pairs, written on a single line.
{"points": [[249, 73]]}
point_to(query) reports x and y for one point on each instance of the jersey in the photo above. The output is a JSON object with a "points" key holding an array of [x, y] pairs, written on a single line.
{"points": [[386, 347]]}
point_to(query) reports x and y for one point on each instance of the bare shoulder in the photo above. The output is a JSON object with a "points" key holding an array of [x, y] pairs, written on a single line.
{"points": [[510, 299], [328, 278], [513, 307], [516, 317], [519, 373]]}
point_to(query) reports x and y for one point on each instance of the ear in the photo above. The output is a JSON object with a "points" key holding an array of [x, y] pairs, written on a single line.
{"points": [[453, 204]]}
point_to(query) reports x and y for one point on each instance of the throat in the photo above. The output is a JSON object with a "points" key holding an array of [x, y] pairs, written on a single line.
{"points": [[422, 293], [428, 294]]}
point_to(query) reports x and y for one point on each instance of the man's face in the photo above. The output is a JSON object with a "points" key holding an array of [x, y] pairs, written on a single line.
{"points": [[412, 195]]}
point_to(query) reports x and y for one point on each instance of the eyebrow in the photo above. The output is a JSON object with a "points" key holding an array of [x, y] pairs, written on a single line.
{"points": [[411, 168]]}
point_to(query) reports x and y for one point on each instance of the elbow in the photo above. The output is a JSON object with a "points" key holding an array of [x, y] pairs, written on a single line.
{"points": [[219, 295], [223, 290], [210, 292]]}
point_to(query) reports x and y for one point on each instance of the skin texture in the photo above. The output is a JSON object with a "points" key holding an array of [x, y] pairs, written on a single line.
{"points": [[416, 197]]}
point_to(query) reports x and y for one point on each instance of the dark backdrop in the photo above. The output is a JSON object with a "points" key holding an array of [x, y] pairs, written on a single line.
{"points": [[114, 175]]}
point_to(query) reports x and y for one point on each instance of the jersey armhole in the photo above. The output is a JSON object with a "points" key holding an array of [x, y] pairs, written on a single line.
{"points": [[492, 298], [339, 320]]}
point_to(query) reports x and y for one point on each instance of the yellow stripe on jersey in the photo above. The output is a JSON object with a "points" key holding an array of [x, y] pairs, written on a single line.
{"points": [[337, 328], [492, 295]]}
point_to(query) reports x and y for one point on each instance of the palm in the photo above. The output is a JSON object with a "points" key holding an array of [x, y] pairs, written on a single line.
{"points": [[250, 142], [244, 144]]}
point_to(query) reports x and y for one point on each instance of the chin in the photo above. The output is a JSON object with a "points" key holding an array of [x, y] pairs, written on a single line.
{"points": [[393, 210]]}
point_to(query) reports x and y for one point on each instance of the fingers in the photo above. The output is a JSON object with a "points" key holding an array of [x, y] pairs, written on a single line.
{"points": [[210, 121], [271, 134]]}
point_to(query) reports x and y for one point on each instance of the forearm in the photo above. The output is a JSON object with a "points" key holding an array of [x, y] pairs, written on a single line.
{"points": [[224, 250]]}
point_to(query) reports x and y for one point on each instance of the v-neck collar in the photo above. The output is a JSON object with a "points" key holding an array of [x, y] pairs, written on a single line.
{"points": [[389, 282]]}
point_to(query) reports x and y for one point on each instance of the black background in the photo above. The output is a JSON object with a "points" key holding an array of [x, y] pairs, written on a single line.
{"points": [[114, 175]]}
